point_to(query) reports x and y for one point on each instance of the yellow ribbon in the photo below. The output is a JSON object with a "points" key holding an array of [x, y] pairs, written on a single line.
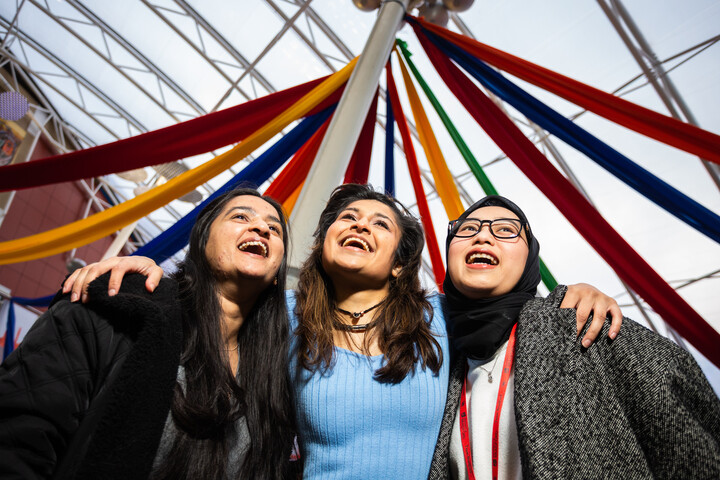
{"points": [[444, 183], [108, 221]]}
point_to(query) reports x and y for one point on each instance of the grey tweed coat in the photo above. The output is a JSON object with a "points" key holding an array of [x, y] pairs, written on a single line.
{"points": [[636, 407]]}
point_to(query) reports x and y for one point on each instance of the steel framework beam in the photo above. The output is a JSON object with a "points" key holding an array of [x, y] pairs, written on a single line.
{"points": [[653, 69]]}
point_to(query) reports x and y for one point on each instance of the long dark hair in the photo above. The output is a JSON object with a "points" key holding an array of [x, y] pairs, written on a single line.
{"points": [[205, 411], [403, 334]]}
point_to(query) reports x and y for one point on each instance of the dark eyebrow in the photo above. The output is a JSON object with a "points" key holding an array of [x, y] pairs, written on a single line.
{"points": [[382, 215], [272, 218], [376, 214], [493, 219], [244, 209]]}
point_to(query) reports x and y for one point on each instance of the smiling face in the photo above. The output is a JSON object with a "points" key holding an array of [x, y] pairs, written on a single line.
{"points": [[484, 266], [361, 244], [246, 242]]}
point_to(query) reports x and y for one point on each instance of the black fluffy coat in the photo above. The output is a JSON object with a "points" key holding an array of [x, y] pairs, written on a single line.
{"points": [[87, 392]]}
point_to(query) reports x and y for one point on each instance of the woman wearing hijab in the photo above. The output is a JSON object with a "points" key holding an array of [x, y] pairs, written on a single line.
{"points": [[526, 400], [188, 382]]}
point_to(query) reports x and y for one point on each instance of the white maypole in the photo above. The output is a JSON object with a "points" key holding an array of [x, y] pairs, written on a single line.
{"points": [[338, 145]]}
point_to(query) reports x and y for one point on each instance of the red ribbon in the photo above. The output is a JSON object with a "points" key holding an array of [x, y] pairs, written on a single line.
{"points": [[359, 166], [199, 135], [665, 129], [298, 168]]}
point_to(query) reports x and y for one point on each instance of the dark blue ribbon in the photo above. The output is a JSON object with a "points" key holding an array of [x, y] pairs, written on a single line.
{"points": [[644, 182], [389, 150]]}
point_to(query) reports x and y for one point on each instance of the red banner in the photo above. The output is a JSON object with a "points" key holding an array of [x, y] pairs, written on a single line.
{"points": [[359, 166], [199, 135]]}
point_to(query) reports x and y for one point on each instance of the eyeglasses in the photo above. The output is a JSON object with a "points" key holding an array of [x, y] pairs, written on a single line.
{"points": [[501, 228]]}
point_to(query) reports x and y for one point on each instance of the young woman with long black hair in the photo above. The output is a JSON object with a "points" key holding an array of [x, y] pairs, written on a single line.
{"points": [[189, 382]]}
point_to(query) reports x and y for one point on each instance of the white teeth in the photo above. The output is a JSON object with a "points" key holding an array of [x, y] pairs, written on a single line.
{"points": [[356, 240], [478, 257], [244, 246]]}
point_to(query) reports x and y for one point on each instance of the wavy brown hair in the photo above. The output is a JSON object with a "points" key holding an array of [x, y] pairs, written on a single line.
{"points": [[403, 320]]}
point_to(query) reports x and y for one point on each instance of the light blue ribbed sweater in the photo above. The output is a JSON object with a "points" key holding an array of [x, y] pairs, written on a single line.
{"points": [[353, 427]]}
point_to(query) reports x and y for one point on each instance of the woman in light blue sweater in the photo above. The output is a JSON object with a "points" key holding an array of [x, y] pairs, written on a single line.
{"points": [[371, 355], [371, 360]]}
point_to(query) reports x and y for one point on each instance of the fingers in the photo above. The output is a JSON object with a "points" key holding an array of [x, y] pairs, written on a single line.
{"points": [[141, 265], [79, 281], [76, 286], [582, 314], [587, 300], [571, 300], [617, 319], [79, 287], [603, 308], [154, 276], [595, 326], [68, 283], [116, 276]]}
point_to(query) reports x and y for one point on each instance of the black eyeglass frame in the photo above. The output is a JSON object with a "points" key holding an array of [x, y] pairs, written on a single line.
{"points": [[454, 226]]}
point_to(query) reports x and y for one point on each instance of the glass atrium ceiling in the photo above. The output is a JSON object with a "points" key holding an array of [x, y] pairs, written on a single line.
{"points": [[109, 70]]}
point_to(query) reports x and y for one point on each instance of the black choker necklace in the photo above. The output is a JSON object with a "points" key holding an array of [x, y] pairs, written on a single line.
{"points": [[356, 315]]}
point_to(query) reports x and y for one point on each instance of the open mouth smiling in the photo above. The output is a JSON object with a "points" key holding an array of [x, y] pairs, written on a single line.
{"points": [[254, 247], [481, 258], [356, 243]]}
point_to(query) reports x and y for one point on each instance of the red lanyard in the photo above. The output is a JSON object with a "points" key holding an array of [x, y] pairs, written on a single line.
{"points": [[465, 431]]}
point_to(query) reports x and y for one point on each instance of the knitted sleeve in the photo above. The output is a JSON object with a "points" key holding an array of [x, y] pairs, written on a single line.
{"points": [[638, 406]]}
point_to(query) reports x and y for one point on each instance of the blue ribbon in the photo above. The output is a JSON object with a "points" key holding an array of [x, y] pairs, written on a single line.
{"points": [[644, 182], [9, 331], [389, 150]]}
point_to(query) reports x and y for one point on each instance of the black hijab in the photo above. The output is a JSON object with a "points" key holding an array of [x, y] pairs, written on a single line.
{"points": [[478, 327]]}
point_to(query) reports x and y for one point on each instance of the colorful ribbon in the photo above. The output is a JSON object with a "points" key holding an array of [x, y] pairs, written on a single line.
{"points": [[644, 182], [547, 277], [389, 146], [176, 237], [359, 167], [182, 140], [294, 174]]}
